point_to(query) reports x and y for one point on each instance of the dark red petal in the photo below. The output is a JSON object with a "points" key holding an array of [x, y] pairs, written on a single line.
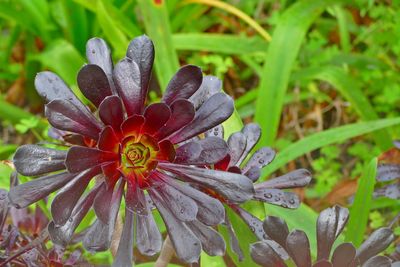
{"points": [[25, 194], [296, 178], [141, 50], [388, 172], [233, 240], [330, 224], [124, 257], [343, 255], [187, 246], [223, 164], [167, 151], [209, 86], [110, 170], [263, 254], [260, 159], [252, 131], [80, 158], [237, 145], [255, 224], [211, 241], [102, 203], [127, 82], [98, 52], [111, 112], [64, 202], [135, 199], [51, 87], [277, 229], [93, 83], [133, 125], [148, 237], [214, 111], [377, 242], [64, 115], [156, 115], [184, 84], [182, 112], [298, 247], [62, 235], [33, 160], [108, 141], [207, 151], [322, 263], [277, 197], [232, 186]]}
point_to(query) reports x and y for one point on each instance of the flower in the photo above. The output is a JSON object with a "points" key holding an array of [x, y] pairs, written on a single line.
{"points": [[330, 224], [132, 150], [240, 160]]}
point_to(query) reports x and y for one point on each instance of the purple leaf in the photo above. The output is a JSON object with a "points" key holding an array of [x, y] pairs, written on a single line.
{"points": [[233, 240], [297, 178], [111, 112], [388, 172], [210, 86], [237, 143], [378, 241], [298, 247], [98, 52], [322, 263], [156, 115], [277, 197], [263, 254], [255, 224], [102, 203], [391, 191], [124, 257], [260, 159], [253, 133], [80, 158], [148, 237], [3, 207], [217, 131], [34, 160], [135, 199], [277, 229], [211, 241], [376, 261], [343, 255]]}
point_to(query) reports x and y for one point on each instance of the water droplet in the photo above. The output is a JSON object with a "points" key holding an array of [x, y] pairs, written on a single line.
{"points": [[70, 220], [93, 51], [261, 161], [268, 195], [277, 198], [292, 201], [284, 206], [252, 229]]}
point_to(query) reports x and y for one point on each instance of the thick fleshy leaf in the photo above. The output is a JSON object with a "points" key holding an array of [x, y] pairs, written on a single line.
{"points": [[141, 50], [148, 237], [124, 257], [210, 210], [51, 87], [378, 261], [263, 254], [80, 158], [277, 197], [64, 115], [233, 240], [187, 246], [209, 86], [217, 131], [108, 140], [343, 255], [66, 199], [31, 160], [378, 241], [132, 125], [184, 84], [234, 187], [182, 112], [298, 247], [156, 115], [207, 151], [237, 143], [127, 82], [111, 112], [388, 172], [322, 263], [260, 159], [297, 178], [253, 173], [211, 241], [167, 151], [214, 111], [134, 198], [3, 206], [391, 191], [277, 229], [255, 224], [102, 203], [93, 83], [62, 235], [98, 52], [25, 194], [330, 224], [252, 131]]}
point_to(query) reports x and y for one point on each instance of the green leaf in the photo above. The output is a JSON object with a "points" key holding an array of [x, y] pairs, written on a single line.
{"points": [[156, 22], [5, 172], [282, 52], [324, 138], [211, 261], [359, 211], [219, 43], [6, 151]]}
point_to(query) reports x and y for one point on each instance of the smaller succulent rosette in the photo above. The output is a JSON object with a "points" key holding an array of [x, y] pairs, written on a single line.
{"points": [[241, 160], [330, 225]]}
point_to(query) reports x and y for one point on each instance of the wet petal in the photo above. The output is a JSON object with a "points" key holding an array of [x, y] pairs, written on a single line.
{"points": [[64, 115], [343, 255], [232, 186], [217, 131], [93, 83], [148, 237], [298, 247], [255, 224], [260, 158], [127, 81], [80, 158], [156, 115], [211, 241], [330, 224], [380, 261], [297, 178], [378, 241], [31, 160], [98, 52], [277, 197], [277, 229], [214, 111], [124, 257], [252, 131], [263, 254], [388, 172], [207, 151], [187, 246], [135, 199], [209, 86], [25, 194], [253, 173], [111, 112], [66, 199], [237, 145]]}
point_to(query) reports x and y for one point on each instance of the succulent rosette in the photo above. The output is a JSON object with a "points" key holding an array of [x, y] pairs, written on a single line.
{"points": [[241, 160], [120, 148], [330, 225]]}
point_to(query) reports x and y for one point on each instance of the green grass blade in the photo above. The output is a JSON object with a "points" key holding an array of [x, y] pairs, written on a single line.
{"points": [[362, 204], [156, 21], [219, 43], [351, 90], [282, 52], [324, 138]]}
